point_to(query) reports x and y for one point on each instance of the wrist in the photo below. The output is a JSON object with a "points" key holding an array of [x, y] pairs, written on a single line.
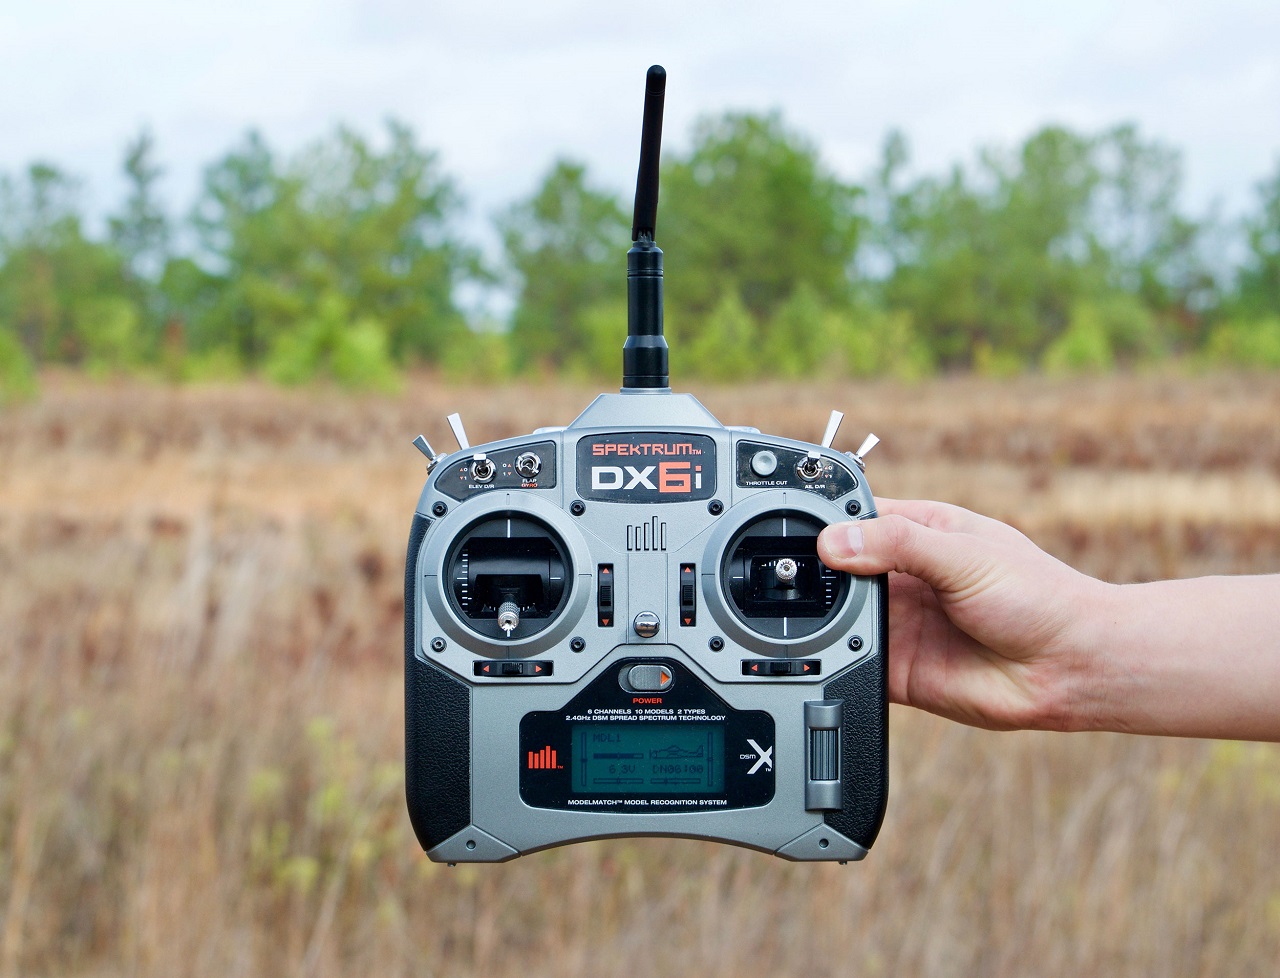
{"points": [[1090, 680]]}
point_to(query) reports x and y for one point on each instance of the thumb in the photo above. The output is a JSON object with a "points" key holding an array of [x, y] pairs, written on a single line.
{"points": [[945, 561]]}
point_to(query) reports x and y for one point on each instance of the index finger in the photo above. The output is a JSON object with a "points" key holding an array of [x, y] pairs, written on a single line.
{"points": [[947, 518], [928, 512]]}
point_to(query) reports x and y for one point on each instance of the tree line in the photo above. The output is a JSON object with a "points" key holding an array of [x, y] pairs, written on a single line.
{"points": [[345, 261]]}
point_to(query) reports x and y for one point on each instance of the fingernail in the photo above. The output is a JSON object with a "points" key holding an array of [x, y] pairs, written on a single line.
{"points": [[845, 540]]}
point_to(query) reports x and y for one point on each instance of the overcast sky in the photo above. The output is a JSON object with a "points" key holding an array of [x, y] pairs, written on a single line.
{"points": [[500, 89]]}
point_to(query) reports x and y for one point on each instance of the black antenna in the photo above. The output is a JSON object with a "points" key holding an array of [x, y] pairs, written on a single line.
{"points": [[644, 355], [645, 218]]}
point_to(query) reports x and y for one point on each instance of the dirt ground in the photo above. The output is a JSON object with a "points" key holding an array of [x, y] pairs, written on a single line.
{"points": [[201, 704]]}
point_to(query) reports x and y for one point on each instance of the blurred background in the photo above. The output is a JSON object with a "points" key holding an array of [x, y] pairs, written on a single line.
{"points": [[248, 252]]}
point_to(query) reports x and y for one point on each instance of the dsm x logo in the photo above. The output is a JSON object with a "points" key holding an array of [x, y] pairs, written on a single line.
{"points": [[764, 756]]}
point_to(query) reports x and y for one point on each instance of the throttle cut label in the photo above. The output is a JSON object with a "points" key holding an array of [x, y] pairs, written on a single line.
{"points": [[646, 467]]}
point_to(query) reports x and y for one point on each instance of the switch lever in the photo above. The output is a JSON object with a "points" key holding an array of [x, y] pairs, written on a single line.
{"points": [[868, 443], [833, 425], [424, 446], [455, 422]]}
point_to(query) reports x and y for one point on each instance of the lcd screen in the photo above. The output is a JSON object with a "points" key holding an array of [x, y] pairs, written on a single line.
{"points": [[648, 758]]}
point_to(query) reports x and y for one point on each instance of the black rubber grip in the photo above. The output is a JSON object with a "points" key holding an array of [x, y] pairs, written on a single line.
{"points": [[864, 754], [437, 729]]}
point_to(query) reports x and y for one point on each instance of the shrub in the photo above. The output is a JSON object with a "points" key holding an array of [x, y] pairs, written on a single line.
{"points": [[802, 337], [109, 330], [1246, 342], [1084, 347], [724, 348], [477, 357], [17, 373], [356, 355], [604, 330], [882, 343], [217, 365]]}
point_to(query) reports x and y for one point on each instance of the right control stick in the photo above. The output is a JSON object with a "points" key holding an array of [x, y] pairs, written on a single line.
{"points": [[775, 582]]}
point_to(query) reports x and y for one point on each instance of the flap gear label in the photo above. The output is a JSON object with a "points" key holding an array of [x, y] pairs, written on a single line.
{"points": [[646, 467]]}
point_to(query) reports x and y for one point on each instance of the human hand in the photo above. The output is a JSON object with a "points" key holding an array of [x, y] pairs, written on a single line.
{"points": [[986, 628]]}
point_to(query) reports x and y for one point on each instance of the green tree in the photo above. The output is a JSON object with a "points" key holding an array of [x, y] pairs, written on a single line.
{"points": [[340, 219], [1084, 347], [566, 246], [17, 373], [249, 248], [192, 298], [604, 328], [1258, 282], [1155, 254], [1002, 256], [1251, 342], [1249, 334], [753, 210], [805, 338], [140, 233], [725, 349], [54, 279], [108, 329], [381, 233], [880, 343], [999, 259], [329, 343]]}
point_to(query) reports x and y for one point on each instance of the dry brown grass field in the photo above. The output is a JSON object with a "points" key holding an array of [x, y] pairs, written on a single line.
{"points": [[201, 705]]}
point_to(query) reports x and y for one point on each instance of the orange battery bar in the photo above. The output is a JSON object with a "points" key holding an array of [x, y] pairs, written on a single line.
{"points": [[543, 760]]}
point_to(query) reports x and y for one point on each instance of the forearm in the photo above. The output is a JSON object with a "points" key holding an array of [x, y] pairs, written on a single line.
{"points": [[1192, 658]]}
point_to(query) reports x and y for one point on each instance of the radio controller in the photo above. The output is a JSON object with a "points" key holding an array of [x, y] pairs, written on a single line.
{"points": [[621, 627]]}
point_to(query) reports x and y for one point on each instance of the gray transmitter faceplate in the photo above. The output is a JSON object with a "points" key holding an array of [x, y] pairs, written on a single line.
{"points": [[622, 628]]}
